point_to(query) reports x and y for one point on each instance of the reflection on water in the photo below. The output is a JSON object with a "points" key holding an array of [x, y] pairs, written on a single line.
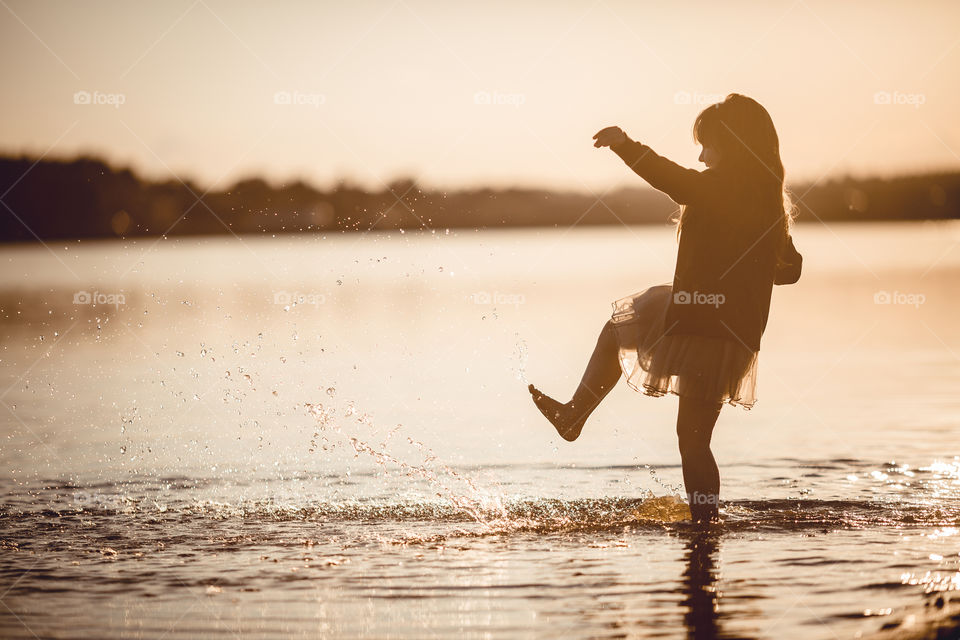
{"points": [[332, 437], [155, 542], [700, 586]]}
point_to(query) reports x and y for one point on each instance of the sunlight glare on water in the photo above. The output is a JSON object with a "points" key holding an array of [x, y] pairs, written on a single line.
{"points": [[341, 425]]}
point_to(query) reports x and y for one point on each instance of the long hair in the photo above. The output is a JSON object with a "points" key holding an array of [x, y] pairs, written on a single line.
{"points": [[741, 130]]}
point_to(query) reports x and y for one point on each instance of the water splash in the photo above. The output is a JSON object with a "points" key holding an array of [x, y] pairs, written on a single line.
{"points": [[522, 355], [485, 508], [675, 490], [461, 499], [662, 509]]}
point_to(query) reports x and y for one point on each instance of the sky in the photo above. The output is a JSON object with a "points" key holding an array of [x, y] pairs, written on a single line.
{"points": [[459, 95]]}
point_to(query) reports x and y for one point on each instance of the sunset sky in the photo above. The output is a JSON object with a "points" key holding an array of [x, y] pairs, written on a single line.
{"points": [[491, 93]]}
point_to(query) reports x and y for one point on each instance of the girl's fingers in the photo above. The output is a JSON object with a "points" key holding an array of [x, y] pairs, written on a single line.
{"points": [[607, 136]]}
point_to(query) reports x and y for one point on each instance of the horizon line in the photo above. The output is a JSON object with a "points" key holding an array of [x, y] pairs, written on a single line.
{"points": [[331, 184]]}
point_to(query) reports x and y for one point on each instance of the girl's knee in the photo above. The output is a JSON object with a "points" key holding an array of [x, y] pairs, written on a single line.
{"points": [[609, 333]]}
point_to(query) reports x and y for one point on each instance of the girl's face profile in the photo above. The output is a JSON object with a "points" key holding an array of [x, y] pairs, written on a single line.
{"points": [[709, 156]]}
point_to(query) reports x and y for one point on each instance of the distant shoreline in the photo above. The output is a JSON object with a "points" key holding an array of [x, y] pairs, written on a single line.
{"points": [[87, 198]]}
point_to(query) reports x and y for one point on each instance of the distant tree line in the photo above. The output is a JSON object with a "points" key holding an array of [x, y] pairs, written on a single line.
{"points": [[87, 198]]}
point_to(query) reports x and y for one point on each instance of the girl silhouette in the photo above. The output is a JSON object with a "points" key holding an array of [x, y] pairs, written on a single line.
{"points": [[699, 337]]}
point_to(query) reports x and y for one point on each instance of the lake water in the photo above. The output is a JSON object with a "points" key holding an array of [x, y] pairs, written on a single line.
{"points": [[330, 436]]}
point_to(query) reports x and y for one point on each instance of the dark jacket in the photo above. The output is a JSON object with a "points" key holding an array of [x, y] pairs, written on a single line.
{"points": [[732, 249]]}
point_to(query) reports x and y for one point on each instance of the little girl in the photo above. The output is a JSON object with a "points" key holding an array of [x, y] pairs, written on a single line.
{"points": [[699, 337]]}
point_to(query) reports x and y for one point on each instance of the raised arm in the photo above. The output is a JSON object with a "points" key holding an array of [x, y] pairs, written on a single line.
{"points": [[681, 184]]}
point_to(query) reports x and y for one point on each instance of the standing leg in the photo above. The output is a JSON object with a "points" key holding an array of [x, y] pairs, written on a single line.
{"points": [[600, 376], [701, 477]]}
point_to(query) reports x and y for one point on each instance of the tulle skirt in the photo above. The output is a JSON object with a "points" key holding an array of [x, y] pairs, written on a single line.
{"points": [[654, 363]]}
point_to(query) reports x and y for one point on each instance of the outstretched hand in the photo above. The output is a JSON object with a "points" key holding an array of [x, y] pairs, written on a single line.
{"points": [[609, 137]]}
